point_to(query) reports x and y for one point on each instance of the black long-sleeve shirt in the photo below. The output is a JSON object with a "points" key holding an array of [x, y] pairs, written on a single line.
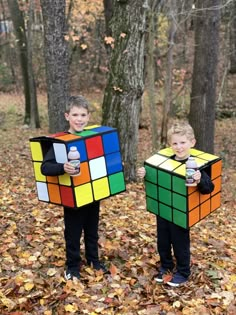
{"points": [[50, 167], [205, 186]]}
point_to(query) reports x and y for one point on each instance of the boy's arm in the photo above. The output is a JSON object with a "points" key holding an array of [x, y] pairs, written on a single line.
{"points": [[50, 167], [205, 186]]}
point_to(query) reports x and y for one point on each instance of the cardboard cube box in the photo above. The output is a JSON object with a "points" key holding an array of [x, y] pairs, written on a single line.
{"points": [[101, 167], [167, 195]]}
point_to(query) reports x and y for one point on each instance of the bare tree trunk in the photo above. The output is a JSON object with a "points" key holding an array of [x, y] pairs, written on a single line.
{"points": [[57, 61], [233, 40], [108, 12], [152, 33], [19, 28], [123, 93], [203, 96], [34, 114], [168, 82]]}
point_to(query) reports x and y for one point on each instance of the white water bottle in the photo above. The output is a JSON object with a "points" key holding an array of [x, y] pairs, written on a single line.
{"points": [[191, 168], [74, 160]]}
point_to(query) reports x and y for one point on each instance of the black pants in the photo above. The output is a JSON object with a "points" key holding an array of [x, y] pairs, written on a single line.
{"points": [[84, 219], [170, 235]]}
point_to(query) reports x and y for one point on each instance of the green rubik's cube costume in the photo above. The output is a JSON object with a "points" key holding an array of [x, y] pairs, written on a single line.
{"points": [[166, 193]]}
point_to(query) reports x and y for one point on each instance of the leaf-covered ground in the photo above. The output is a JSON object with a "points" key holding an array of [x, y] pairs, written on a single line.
{"points": [[32, 245]]}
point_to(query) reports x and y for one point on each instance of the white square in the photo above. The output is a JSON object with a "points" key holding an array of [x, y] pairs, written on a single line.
{"points": [[60, 152], [97, 168], [42, 191]]}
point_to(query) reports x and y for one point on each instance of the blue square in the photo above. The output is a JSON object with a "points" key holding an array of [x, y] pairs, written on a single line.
{"points": [[102, 129], [114, 163], [111, 142], [80, 144]]}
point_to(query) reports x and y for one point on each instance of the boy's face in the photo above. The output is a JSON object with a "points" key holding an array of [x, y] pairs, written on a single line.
{"points": [[78, 118], [181, 146]]}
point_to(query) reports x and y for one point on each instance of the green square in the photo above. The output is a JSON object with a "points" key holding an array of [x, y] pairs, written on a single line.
{"points": [[180, 218], [179, 185], [152, 205], [151, 174], [179, 202], [164, 179], [151, 190], [117, 183], [165, 212], [86, 133], [164, 196]]}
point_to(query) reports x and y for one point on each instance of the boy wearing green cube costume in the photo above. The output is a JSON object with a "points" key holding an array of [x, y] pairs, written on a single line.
{"points": [[170, 235]]}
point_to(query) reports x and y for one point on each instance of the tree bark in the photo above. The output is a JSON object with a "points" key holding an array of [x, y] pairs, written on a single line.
{"points": [[233, 40], [167, 110], [204, 80], [56, 60], [34, 114], [20, 32], [123, 93]]}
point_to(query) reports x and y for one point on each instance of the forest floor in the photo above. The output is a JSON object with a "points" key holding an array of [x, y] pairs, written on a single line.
{"points": [[32, 244]]}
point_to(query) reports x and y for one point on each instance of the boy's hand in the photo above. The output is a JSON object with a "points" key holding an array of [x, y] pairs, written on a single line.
{"points": [[141, 172], [69, 169], [197, 176]]}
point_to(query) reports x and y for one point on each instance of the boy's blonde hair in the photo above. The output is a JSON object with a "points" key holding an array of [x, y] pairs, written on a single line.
{"points": [[181, 128], [77, 101]]}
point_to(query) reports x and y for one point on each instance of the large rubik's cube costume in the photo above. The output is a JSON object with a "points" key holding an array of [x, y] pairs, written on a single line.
{"points": [[167, 195], [101, 167]]}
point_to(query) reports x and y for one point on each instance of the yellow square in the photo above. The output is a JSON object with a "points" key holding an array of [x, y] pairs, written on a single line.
{"points": [[64, 180], [83, 194], [170, 165], [101, 188], [156, 159], [36, 150], [37, 171], [166, 152]]}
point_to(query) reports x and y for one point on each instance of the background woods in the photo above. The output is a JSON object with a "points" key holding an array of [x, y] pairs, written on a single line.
{"points": [[141, 64]]}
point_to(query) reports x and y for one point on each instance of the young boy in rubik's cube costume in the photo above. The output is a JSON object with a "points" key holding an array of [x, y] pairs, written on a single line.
{"points": [[101, 175], [177, 206]]}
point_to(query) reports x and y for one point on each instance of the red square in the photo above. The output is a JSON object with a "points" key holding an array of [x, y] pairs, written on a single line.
{"points": [[94, 147], [67, 197]]}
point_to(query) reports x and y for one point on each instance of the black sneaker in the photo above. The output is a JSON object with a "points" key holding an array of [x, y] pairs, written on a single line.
{"points": [[72, 273], [98, 266]]}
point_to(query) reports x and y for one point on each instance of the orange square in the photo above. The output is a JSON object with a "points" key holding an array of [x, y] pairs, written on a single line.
{"points": [[203, 198], [54, 193], [205, 209], [194, 216], [84, 176], [52, 179], [215, 202], [193, 200], [217, 183], [191, 189], [68, 137], [216, 169]]}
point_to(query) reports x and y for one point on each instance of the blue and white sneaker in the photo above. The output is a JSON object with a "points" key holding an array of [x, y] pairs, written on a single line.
{"points": [[177, 280], [161, 273], [72, 273]]}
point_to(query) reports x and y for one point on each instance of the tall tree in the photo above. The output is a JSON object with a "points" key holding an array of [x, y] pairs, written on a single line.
{"points": [[108, 11], [56, 60], [25, 53], [167, 107], [233, 39], [123, 93], [204, 80]]}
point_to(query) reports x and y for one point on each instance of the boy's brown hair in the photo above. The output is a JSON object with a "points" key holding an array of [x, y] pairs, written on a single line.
{"points": [[77, 101], [181, 128]]}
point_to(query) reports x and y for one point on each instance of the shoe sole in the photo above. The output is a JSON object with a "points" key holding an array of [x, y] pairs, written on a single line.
{"points": [[159, 280], [173, 284]]}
